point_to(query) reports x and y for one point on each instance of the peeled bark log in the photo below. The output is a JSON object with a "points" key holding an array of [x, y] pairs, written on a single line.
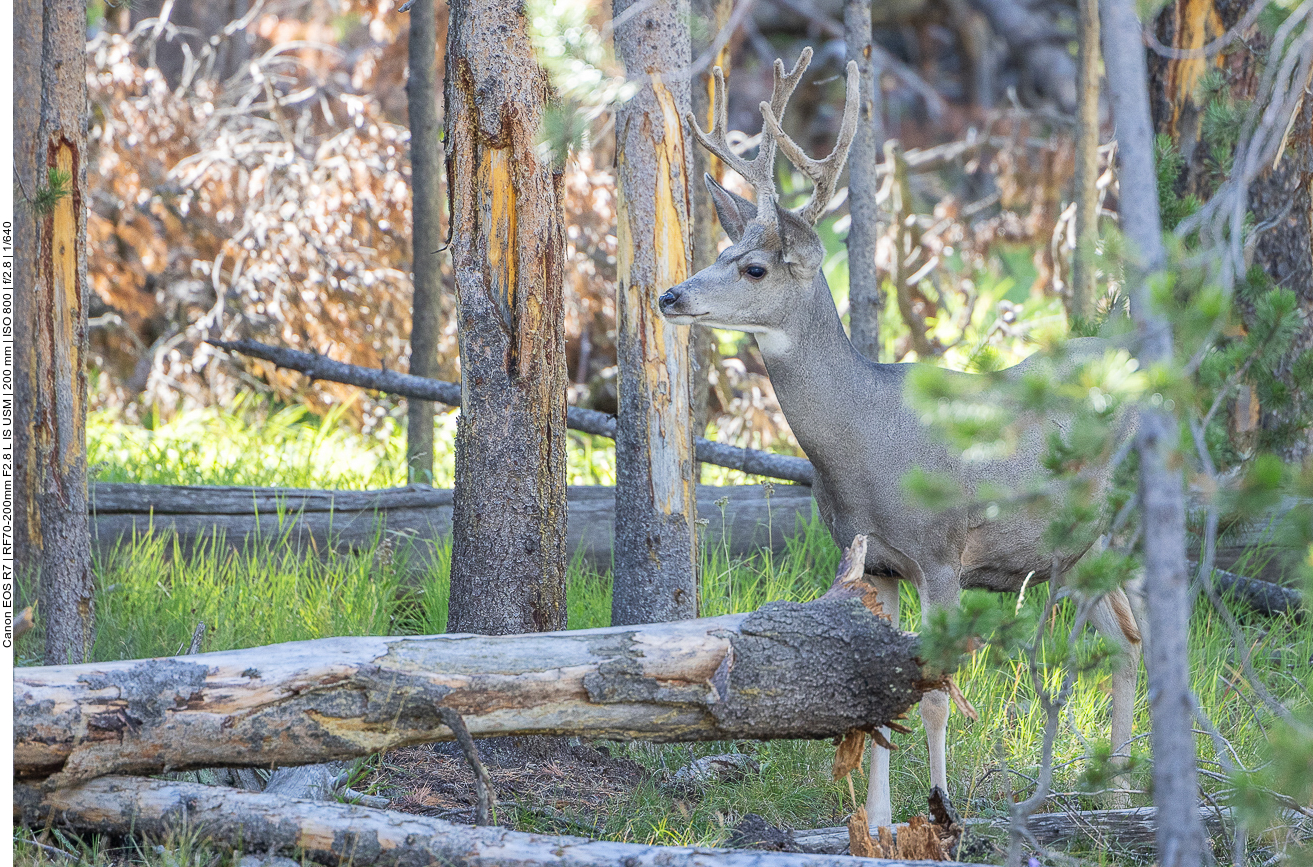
{"points": [[345, 521], [788, 670], [358, 836]]}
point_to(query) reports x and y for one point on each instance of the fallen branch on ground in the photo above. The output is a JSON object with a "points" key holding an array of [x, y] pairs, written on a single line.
{"points": [[317, 366], [340, 834], [1128, 829], [788, 670]]}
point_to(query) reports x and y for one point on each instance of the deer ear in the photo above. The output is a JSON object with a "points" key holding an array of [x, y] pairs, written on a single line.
{"points": [[734, 211], [800, 246]]}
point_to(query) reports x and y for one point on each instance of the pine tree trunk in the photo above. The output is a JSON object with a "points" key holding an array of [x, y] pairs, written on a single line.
{"points": [[656, 551], [426, 233], [1081, 307], [1161, 485], [865, 295], [709, 16], [1281, 198], [51, 320], [508, 552]]}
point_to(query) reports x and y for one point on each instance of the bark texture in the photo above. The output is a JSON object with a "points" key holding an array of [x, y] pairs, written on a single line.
{"points": [[709, 17], [1280, 199], [426, 231], [865, 294], [1081, 305], [344, 521], [50, 115], [1161, 486], [361, 837], [508, 553], [656, 551], [788, 670]]}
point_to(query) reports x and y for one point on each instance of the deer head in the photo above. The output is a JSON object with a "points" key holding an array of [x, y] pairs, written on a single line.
{"points": [[759, 282]]}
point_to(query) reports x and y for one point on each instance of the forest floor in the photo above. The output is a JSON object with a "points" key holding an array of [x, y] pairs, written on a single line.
{"points": [[149, 602]]}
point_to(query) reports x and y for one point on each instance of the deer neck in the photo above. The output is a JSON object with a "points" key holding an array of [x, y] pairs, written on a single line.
{"points": [[815, 370]]}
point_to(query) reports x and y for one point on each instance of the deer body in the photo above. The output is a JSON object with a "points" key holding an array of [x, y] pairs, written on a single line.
{"points": [[851, 417]]}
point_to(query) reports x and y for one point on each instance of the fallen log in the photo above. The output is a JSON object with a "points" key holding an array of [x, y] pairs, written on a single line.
{"points": [[788, 670], [340, 834], [1127, 829], [741, 519], [317, 366]]}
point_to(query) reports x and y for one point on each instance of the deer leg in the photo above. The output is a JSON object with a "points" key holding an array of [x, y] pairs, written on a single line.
{"points": [[879, 801], [1115, 619], [941, 589]]}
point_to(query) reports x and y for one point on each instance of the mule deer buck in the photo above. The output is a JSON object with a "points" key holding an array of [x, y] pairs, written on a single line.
{"points": [[849, 414]]}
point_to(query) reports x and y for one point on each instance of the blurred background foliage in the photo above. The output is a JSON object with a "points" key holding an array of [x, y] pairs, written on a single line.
{"points": [[255, 184]]}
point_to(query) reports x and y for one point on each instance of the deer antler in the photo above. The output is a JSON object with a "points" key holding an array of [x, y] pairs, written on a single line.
{"points": [[823, 173], [760, 172]]}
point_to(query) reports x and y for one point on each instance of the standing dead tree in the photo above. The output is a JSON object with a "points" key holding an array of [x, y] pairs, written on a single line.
{"points": [[1161, 484], [865, 290], [507, 248], [656, 513], [50, 333], [426, 233]]}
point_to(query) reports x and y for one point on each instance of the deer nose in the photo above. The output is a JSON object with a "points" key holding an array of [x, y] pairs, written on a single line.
{"points": [[670, 299]]}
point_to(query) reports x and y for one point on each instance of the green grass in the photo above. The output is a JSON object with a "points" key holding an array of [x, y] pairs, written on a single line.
{"points": [[150, 598]]}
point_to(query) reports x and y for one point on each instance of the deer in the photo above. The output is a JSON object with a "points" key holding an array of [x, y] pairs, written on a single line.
{"points": [[851, 417]]}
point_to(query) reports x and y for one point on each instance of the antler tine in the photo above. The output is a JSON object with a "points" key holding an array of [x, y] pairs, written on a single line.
{"points": [[760, 171], [716, 139], [824, 173]]}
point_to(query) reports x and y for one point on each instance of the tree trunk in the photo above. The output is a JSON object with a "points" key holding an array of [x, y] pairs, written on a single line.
{"points": [[508, 555], [1161, 485], [1280, 199], [426, 233], [656, 550], [1084, 289], [340, 834], [789, 670], [51, 321], [865, 294], [710, 16]]}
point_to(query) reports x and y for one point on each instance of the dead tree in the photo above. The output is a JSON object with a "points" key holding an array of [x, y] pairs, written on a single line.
{"points": [[714, 18], [1161, 484], [507, 248], [656, 551], [50, 320], [865, 290], [426, 232]]}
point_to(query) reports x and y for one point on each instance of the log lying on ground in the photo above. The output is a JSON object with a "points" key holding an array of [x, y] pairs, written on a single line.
{"points": [[319, 520], [788, 670], [341, 834], [1265, 597], [1126, 829], [576, 418]]}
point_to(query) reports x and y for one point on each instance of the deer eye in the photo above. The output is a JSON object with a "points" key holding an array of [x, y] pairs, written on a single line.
{"points": [[756, 272]]}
